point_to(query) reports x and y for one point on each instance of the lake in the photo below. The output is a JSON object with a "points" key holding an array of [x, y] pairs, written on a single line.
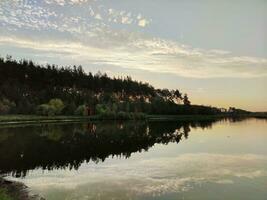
{"points": [[203, 160]]}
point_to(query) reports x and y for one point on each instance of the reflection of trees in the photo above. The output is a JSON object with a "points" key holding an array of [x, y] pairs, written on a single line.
{"points": [[69, 145]]}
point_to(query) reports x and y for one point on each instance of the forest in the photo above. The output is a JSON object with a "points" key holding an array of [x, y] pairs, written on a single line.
{"points": [[30, 88]]}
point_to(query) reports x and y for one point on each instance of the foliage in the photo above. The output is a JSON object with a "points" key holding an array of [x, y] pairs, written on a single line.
{"points": [[24, 107], [233, 110], [121, 115], [4, 195], [69, 109], [57, 105], [186, 100], [27, 86], [54, 107], [102, 109], [6, 106], [46, 110], [81, 110]]}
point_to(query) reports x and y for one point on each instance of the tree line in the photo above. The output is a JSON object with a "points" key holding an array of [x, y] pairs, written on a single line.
{"points": [[30, 88]]}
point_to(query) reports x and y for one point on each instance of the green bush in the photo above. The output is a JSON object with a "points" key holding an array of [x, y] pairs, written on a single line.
{"points": [[4, 195], [69, 109], [46, 110], [121, 116], [54, 107], [101, 109], [24, 106], [107, 115], [4, 109], [6, 106], [57, 104], [81, 110]]}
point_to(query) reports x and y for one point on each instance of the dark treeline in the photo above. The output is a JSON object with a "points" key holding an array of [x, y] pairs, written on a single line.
{"points": [[29, 88]]}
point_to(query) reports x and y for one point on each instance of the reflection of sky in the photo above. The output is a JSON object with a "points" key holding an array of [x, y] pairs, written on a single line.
{"points": [[231, 159], [197, 45]]}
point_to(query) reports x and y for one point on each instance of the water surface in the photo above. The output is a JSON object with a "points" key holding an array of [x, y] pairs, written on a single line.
{"points": [[206, 160]]}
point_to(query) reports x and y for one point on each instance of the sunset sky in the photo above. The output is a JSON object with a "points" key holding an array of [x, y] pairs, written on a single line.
{"points": [[214, 50]]}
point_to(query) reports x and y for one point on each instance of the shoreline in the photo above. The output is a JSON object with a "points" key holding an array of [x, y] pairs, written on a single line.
{"points": [[35, 119], [13, 190]]}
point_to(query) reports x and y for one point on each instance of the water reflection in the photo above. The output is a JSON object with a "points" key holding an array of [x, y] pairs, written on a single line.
{"points": [[66, 146]]}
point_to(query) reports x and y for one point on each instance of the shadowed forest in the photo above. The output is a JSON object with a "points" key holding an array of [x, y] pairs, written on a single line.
{"points": [[29, 88]]}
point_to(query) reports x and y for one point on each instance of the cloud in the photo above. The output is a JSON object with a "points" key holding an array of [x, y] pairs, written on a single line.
{"points": [[143, 22], [55, 15], [88, 37], [59, 2], [125, 17], [126, 20], [66, 2], [98, 16], [134, 51]]}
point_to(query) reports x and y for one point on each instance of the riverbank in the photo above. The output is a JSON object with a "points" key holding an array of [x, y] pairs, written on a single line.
{"points": [[11, 190], [184, 117], [34, 119], [260, 115]]}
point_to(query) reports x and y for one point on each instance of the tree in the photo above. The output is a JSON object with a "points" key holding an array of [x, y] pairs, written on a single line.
{"points": [[101, 109], [177, 95], [27, 85], [6, 106], [54, 107], [81, 110], [57, 104], [45, 110], [186, 100]]}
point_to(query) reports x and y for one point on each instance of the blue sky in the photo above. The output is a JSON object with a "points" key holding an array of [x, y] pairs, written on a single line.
{"points": [[216, 51]]}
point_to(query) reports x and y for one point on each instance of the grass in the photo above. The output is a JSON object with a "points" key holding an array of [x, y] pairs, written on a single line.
{"points": [[22, 119], [204, 117], [183, 117], [11, 190], [31, 119], [4, 195], [4, 118]]}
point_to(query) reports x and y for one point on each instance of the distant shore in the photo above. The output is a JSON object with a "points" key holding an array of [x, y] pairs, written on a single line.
{"points": [[35, 119]]}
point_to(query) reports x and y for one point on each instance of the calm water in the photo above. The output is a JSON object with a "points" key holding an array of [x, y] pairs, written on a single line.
{"points": [[161, 160]]}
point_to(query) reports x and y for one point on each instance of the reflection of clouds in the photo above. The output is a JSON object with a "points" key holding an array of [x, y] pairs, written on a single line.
{"points": [[224, 181], [152, 176]]}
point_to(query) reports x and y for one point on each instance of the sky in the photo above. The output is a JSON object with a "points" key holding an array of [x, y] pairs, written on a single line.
{"points": [[213, 50]]}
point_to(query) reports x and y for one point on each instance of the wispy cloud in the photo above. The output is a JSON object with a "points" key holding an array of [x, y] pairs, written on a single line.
{"points": [[93, 40], [66, 2], [59, 14], [143, 22], [136, 51]]}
